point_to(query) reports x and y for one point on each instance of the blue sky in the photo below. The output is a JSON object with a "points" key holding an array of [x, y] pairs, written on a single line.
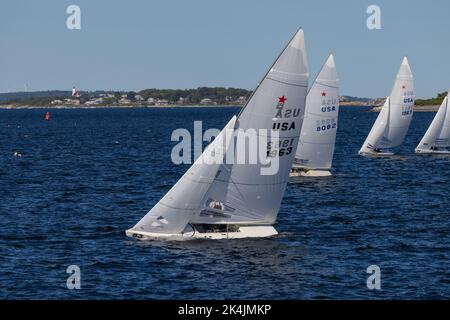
{"points": [[132, 45]]}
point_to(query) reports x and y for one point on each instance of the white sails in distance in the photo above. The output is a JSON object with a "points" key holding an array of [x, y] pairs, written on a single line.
{"points": [[315, 149], [236, 200], [392, 124], [437, 137]]}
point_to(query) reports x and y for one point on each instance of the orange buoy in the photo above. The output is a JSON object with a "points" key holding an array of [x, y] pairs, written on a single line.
{"points": [[47, 116]]}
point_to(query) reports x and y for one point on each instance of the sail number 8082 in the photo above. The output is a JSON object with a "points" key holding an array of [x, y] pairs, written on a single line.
{"points": [[323, 125]]}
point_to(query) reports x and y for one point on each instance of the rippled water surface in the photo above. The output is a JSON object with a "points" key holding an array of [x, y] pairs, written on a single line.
{"points": [[87, 175]]}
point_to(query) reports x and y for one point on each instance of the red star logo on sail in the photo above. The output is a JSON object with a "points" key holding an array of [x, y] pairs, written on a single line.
{"points": [[282, 99], [324, 94]]}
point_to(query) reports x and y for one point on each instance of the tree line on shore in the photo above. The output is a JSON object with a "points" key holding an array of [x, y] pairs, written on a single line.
{"points": [[219, 95], [433, 101]]}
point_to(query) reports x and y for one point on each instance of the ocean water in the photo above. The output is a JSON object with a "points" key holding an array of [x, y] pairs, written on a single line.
{"points": [[87, 175]]}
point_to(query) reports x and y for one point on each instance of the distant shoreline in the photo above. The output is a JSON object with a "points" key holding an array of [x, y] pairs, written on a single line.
{"points": [[10, 107], [433, 108], [353, 104], [201, 97]]}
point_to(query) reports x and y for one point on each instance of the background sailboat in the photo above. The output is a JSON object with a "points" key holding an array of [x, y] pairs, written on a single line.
{"points": [[236, 200], [437, 137], [318, 134], [392, 124]]}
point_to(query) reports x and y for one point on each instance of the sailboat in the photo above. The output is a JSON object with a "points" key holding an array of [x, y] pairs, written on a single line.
{"points": [[318, 134], [226, 201], [392, 124], [437, 138]]}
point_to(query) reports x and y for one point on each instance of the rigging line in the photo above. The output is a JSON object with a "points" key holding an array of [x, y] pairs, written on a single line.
{"points": [[326, 85], [326, 116]]}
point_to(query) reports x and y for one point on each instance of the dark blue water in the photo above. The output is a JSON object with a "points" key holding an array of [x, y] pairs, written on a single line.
{"points": [[87, 175]]}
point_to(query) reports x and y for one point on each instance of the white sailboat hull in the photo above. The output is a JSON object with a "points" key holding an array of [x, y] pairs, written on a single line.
{"points": [[297, 175], [191, 234], [376, 154], [422, 151]]}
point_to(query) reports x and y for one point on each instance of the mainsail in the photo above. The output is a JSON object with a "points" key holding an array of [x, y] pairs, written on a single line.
{"points": [[318, 134], [393, 122], [239, 192], [438, 134]]}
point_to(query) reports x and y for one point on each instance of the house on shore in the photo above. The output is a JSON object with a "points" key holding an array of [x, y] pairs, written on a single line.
{"points": [[162, 102], [207, 102]]}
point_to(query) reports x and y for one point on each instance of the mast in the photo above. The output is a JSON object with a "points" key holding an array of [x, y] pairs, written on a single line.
{"points": [[388, 118]]}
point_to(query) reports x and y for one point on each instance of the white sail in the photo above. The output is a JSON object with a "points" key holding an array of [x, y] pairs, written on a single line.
{"points": [[438, 133], [393, 122], [173, 212], [378, 135], [318, 134], [240, 194], [443, 140]]}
